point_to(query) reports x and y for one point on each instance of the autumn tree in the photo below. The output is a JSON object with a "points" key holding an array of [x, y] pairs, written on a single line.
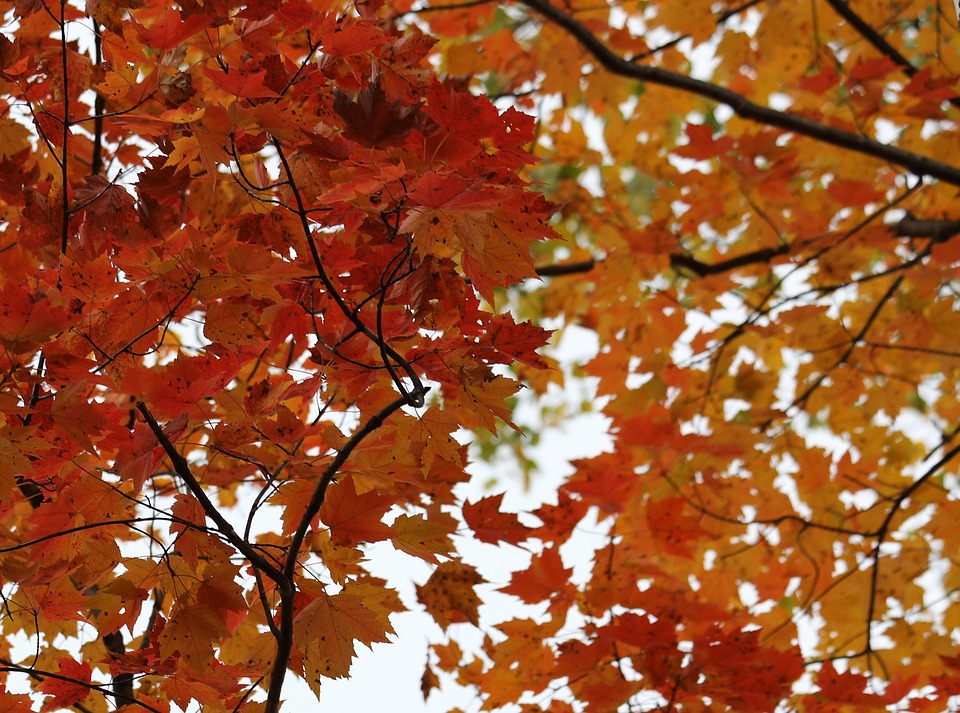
{"points": [[263, 264]]}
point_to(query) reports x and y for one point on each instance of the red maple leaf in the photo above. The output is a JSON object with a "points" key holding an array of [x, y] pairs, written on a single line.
{"points": [[71, 688], [491, 525]]}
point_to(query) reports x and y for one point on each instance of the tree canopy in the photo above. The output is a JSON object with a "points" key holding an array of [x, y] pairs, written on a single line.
{"points": [[263, 265]]}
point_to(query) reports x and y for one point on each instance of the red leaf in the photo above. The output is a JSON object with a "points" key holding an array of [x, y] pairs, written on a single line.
{"points": [[545, 579], [702, 145], [67, 692], [875, 68], [141, 455], [344, 36], [242, 83], [820, 83], [491, 525], [641, 631], [172, 29], [854, 193], [518, 342], [172, 389], [372, 118]]}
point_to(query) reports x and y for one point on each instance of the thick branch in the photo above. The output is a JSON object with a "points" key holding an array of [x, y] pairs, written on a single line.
{"points": [[566, 268], [122, 682], [182, 469], [703, 269], [936, 230], [614, 63], [285, 639]]}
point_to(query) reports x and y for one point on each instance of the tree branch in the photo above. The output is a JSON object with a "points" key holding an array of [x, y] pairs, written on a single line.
{"points": [[566, 268], [415, 396], [703, 269], [287, 590], [182, 469], [615, 64], [909, 227], [937, 230]]}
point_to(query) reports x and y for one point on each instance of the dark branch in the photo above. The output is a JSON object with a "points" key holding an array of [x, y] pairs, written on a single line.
{"points": [[702, 269], [567, 268], [415, 396], [285, 638], [182, 469], [454, 6], [614, 63], [843, 9], [122, 682], [936, 230]]}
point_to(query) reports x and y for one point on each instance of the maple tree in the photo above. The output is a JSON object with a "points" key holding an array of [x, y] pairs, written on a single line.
{"points": [[263, 263]]}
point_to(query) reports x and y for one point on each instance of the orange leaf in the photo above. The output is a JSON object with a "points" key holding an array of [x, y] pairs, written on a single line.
{"points": [[327, 628], [192, 631], [422, 537], [449, 594], [353, 518]]}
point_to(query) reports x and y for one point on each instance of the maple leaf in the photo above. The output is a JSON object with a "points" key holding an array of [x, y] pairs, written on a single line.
{"points": [[428, 682], [424, 538], [140, 454], [434, 429], [493, 227], [184, 382], [19, 450], [172, 28], [449, 594], [673, 529], [354, 518], [327, 628], [545, 579], [729, 654], [15, 702], [372, 118], [641, 631], [702, 145], [72, 688], [491, 525], [109, 13], [480, 395], [842, 687], [192, 632], [242, 83], [29, 317]]}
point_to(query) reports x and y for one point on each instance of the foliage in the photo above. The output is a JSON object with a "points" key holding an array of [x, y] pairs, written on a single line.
{"points": [[256, 260]]}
